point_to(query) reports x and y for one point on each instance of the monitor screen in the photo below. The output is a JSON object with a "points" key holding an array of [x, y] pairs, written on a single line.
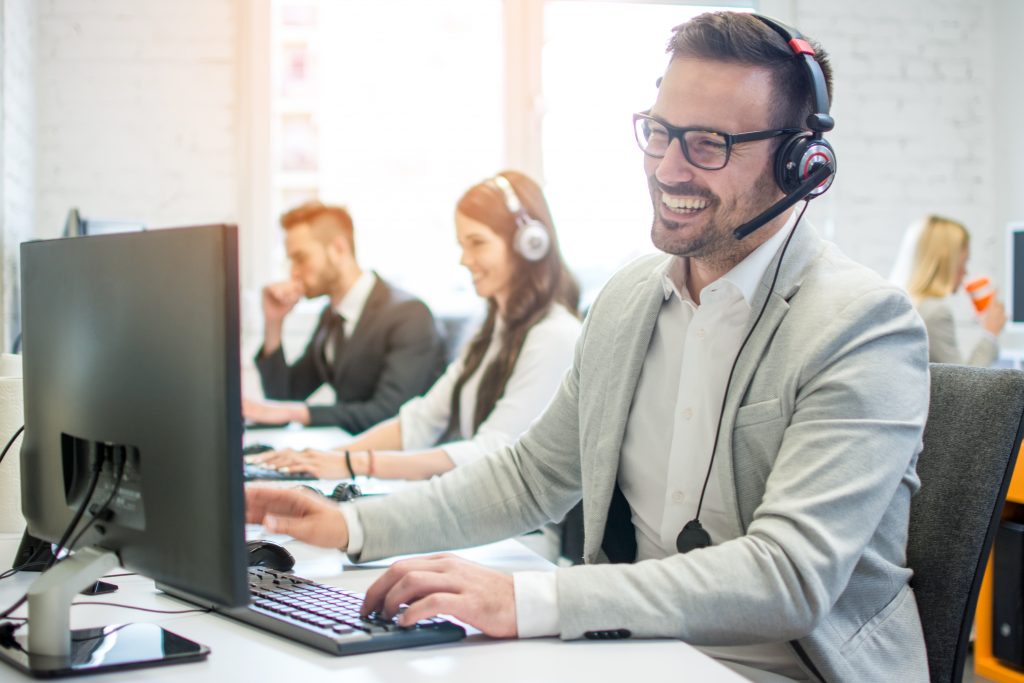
{"points": [[1015, 274], [131, 354]]}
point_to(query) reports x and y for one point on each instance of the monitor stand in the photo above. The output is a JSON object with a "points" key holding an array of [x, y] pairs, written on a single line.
{"points": [[52, 649]]}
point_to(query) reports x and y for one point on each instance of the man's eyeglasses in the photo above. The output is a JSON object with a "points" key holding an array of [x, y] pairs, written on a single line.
{"points": [[707, 149]]}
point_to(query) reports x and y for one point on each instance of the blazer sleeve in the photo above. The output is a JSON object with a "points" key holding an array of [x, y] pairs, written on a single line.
{"points": [[938, 320], [289, 383], [942, 342], [414, 356]]}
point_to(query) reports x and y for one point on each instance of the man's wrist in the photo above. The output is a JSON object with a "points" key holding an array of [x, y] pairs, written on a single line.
{"points": [[353, 537], [301, 414]]}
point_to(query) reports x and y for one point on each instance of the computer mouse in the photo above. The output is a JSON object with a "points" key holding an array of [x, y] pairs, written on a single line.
{"points": [[271, 555]]}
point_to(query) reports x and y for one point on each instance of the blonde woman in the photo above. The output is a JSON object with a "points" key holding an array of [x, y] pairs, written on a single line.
{"points": [[938, 268]]}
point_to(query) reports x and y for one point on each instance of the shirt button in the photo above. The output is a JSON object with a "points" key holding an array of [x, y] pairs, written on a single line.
{"points": [[688, 413], [678, 497], [700, 333]]}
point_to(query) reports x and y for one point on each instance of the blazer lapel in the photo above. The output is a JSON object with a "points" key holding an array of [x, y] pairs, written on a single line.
{"points": [[803, 248], [347, 349], [605, 429]]}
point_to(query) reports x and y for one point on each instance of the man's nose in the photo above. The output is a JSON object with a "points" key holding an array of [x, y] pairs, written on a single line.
{"points": [[674, 167]]}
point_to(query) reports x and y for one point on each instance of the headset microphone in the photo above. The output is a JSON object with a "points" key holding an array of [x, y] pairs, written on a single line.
{"points": [[818, 176]]}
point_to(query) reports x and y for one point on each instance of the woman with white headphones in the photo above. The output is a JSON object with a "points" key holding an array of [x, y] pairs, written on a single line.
{"points": [[506, 375]]}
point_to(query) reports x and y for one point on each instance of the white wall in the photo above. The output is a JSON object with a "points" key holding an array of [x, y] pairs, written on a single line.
{"points": [[17, 151], [137, 111], [1008, 114], [913, 109], [146, 109]]}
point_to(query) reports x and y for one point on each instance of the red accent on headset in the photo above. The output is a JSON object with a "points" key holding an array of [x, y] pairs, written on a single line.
{"points": [[801, 46]]}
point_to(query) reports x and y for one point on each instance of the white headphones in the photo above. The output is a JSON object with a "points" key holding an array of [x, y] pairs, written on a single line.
{"points": [[531, 240]]}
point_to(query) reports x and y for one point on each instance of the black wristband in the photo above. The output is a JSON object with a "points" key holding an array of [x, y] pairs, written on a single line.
{"points": [[348, 464]]}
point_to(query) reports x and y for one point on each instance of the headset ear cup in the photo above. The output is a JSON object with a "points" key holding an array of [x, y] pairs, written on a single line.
{"points": [[532, 240], [787, 161], [797, 157]]}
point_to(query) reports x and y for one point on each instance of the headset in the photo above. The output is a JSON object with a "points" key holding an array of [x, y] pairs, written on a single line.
{"points": [[805, 163], [531, 240]]}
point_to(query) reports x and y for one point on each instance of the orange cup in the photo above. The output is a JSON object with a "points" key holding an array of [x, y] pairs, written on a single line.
{"points": [[981, 291]]}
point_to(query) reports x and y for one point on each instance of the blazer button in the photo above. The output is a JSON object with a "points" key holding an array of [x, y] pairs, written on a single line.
{"points": [[610, 634]]}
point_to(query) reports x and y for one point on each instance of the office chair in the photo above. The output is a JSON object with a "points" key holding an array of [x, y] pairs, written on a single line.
{"points": [[971, 442]]}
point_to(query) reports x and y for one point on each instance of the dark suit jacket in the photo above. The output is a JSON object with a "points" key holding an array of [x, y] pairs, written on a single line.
{"points": [[394, 354]]}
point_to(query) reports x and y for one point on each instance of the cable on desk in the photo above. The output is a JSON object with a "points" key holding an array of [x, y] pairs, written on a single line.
{"points": [[11, 442], [142, 609]]}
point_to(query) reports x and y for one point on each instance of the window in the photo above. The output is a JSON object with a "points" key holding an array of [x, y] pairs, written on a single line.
{"points": [[592, 83], [395, 107], [392, 108]]}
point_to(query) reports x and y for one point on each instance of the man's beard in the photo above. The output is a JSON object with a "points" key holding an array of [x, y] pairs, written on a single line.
{"points": [[714, 241], [326, 282]]}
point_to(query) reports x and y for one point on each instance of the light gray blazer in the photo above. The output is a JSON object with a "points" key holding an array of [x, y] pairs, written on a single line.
{"points": [[825, 412], [942, 347]]}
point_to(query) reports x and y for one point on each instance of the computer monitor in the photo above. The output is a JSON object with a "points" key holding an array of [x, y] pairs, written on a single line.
{"points": [[131, 358], [1015, 275], [76, 226]]}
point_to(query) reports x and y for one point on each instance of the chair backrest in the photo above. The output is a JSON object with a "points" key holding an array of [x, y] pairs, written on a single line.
{"points": [[971, 442]]}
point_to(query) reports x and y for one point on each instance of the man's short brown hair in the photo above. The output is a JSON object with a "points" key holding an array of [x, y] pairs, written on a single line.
{"points": [[326, 221], [742, 38]]}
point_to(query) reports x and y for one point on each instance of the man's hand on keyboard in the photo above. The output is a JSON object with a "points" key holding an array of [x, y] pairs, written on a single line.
{"points": [[305, 517], [446, 584], [275, 412]]}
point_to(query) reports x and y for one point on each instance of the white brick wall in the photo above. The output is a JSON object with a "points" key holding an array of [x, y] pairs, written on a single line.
{"points": [[138, 111], [18, 151], [913, 120]]}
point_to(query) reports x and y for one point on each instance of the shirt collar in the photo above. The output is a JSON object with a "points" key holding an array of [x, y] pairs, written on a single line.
{"points": [[352, 304], [744, 276]]}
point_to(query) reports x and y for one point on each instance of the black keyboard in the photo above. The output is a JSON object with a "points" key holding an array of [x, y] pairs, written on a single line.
{"points": [[255, 471], [327, 617]]}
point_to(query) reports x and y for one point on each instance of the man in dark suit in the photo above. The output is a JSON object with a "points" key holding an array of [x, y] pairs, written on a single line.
{"points": [[376, 345]]}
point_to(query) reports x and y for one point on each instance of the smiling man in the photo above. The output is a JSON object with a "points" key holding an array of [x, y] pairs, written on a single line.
{"points": [[742, 419]]}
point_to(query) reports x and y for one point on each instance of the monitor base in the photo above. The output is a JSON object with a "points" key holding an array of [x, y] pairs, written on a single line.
{"points": [[106, 649]]}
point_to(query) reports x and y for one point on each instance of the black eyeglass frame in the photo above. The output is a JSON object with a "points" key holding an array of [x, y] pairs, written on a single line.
{"points": [[677, 133]]}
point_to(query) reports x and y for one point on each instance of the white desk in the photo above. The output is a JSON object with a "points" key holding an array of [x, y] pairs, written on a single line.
{"points": [[243, 653], [297, 436]]}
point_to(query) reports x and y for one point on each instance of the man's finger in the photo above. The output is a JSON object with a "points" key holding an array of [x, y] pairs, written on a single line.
{"points": [[376, 593], [417, 585], [433, 605], [261, 501]]}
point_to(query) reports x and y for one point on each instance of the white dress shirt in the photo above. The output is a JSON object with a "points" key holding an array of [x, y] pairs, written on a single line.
{"points": [[543, 361], [662, 471]]}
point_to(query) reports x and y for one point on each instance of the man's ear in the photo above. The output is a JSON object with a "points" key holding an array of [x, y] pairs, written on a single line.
{"points": [[338, 248]]}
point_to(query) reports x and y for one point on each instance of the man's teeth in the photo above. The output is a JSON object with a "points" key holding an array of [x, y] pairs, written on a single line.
{"points": [[684, 203]]}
